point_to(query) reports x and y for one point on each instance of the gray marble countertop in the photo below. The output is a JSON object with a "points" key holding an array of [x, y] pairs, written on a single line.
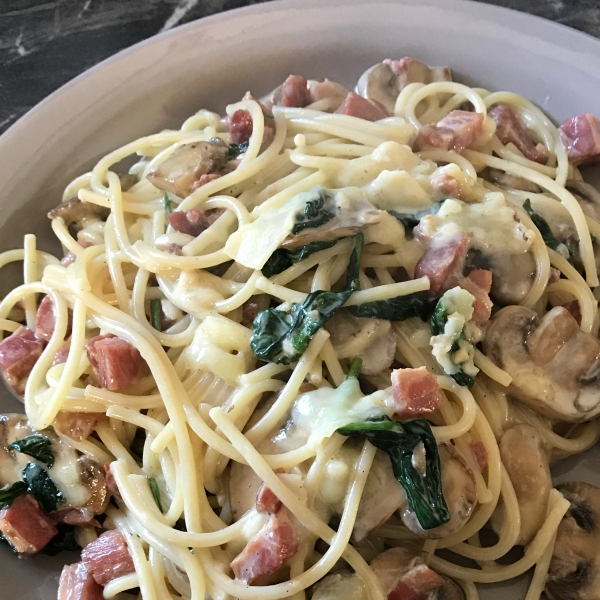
{"points": [[45, 43]]}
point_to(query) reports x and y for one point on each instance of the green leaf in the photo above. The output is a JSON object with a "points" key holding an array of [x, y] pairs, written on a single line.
{"points": [[355, 367], [155, 492], [156, 313], [549, 238], [168, 204], [42, 487], [234, 150], [397, 309], [315, 213], [9, 493], [283, 259], [278, 262], [463, 379], [399, 440], [439, 318], [63, 541], [282, 337], [411, 220], [36, 445]]}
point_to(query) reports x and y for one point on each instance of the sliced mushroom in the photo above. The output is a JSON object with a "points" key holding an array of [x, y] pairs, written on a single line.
{"points": [[555, 367], [341, 586], [460, 492], [75, 212], [381, 84], [384, 81], [186, 165], [403, 574], [373, 340], [526, 460], [382, 497], [513, 182], [350, 213], [588, 197], [574, 572]]}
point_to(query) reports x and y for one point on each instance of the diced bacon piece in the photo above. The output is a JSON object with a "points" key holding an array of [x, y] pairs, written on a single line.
{"points": [[357, 106], [581, 136], [249, 311], [107, 557], [26, 526], [416, 392], [417, 584], [240, 126], [479, 283], [294, 92], [456, 131], [44, 320], [204, 179], [266, 501], [410, 71], [480, 454], [193, 222], [266, 552], [116, 362], [554, 275], [445, 185], [18, 353], [62, 354], [318, 90], [111, 482], [75, 516], [77, 584], [510, 129], [443, 264], [76, 425], [575, 310]]}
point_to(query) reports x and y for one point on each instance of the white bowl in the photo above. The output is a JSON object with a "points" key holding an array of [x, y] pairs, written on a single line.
{"points": [[211, 62]]}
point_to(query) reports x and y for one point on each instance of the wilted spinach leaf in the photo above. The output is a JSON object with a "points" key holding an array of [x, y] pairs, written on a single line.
{"points": [[234, 150], [316, 211], [399, 440], [38, 446], [9, 493], [155, 492], [282, 337], [549, 238], [42, 487], [396, 309]]}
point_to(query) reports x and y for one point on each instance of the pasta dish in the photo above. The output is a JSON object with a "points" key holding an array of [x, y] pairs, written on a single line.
{"points": [[326, 345]]}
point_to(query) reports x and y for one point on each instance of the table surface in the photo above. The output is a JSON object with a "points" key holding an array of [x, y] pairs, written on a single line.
{"points": [[45, 43]]}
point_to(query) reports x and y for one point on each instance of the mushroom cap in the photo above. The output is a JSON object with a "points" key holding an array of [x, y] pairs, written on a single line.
{"points": [[526, 460], [379, 83], [460, 492], [574, 572], [554, 365], [340, 586]]}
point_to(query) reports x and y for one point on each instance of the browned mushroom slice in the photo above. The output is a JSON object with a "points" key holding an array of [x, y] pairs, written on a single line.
{"points": [[513, 182], [186, 165], [526, 461], [348, 212], [75, 212], [340, 586], [574, 572], [555, 367], [384, 81], [460, 492]]}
